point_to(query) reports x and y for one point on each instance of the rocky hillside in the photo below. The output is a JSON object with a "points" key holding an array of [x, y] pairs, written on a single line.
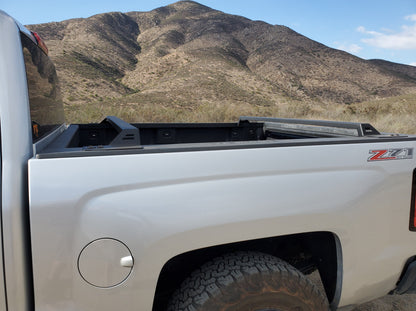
{"points": [[186, 54]]}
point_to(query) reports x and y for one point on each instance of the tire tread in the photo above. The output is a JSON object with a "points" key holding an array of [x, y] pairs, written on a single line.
{"points": [[209, 280]]}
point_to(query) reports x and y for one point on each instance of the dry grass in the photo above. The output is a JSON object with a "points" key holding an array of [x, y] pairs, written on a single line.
{"points": [[394, 114]]}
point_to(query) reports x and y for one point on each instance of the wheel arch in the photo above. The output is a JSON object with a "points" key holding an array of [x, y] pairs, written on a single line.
{"points": [[308, 252]]}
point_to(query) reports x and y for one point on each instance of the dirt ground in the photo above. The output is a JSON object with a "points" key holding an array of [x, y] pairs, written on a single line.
{"points": [[390, 303], [385, 303]]}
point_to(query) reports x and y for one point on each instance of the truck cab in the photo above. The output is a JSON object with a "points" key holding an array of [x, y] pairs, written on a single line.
{"points": [[26, 72]]}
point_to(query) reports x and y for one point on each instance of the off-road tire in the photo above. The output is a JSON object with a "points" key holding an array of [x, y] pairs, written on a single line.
{"points": [[247, 281]]}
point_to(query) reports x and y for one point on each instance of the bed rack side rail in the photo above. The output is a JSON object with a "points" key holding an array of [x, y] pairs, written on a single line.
{"points": [[314, 127]]}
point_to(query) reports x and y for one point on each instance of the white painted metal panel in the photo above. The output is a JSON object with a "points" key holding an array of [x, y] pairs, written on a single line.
{"points": [[16, 149], [161, 205], [3, 305]]}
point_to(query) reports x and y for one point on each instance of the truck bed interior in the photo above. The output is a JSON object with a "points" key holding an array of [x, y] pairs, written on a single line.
{"points": [[114, 135]]}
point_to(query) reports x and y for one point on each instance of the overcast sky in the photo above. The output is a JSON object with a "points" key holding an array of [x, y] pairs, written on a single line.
{"points": [[383, 29]]}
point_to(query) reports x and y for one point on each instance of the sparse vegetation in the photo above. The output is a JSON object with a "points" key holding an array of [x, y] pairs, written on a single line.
{"points": [[395, 114], [189, 63]]}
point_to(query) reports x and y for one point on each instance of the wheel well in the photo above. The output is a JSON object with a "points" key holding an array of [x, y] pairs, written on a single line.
{"points": [[305, 251]]}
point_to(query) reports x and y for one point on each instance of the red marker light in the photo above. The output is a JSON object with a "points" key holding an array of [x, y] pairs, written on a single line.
{"points": [[41, 43]]}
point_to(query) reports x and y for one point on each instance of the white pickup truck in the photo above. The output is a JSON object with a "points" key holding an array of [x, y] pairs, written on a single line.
{"points": [[236, 216]]}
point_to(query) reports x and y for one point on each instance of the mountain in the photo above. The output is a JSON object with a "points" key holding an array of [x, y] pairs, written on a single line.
{"points": [[187, 54]]}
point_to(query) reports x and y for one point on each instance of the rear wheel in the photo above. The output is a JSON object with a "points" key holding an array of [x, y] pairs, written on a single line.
{"points": [[247, 281]]}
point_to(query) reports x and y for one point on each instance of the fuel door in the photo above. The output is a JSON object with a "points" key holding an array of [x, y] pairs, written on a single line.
{"points": [[105, 263]]}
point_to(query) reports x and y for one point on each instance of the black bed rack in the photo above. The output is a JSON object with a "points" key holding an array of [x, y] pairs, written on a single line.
{"points": [[314, 127]]}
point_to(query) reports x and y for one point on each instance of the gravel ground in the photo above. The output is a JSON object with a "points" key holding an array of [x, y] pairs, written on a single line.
{"points": [[385, 303], [390, 303]]}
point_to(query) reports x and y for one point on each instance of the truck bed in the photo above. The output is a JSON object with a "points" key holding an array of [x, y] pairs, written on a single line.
{"points": [[115, 136]]}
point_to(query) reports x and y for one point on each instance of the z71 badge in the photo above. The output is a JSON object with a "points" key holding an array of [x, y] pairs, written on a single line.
{"points": [[391, 154]]}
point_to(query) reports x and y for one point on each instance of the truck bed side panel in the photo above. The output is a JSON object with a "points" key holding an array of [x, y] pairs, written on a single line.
{"points": [[161, 205]]}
